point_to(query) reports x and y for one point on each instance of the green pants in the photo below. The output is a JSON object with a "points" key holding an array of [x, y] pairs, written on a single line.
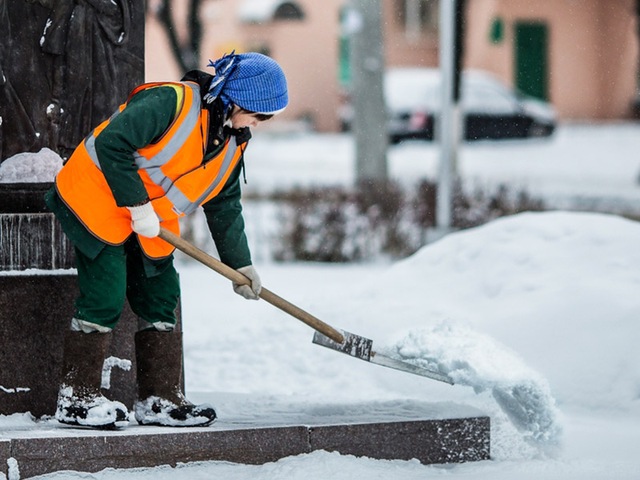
{"points": [[120, 272]]}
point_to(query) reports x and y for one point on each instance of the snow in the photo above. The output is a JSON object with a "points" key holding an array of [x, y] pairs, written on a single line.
{"points": [[109, 364], [157, 411], [474, 359], [100, 410], [38, 167], [534, 316]]}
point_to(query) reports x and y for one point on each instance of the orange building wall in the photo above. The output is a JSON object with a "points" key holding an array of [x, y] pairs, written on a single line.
{"points": [[593, 50]]}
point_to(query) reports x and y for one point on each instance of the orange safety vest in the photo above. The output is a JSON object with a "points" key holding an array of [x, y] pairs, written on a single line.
{"points": [[172, 170]]}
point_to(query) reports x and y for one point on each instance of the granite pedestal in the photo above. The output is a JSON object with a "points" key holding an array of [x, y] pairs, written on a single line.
{"points": [[37, 292]]}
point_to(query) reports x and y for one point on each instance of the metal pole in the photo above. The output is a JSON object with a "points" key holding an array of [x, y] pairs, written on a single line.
{"points": [[369, 123], [447, 127]]}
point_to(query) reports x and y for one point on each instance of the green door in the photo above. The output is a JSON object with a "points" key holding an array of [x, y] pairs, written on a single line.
{"points": [[531, 59]]}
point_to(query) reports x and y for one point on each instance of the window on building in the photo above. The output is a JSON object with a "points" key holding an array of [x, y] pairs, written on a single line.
{"points": [[288, 11], [344, 47], [417, 16]]}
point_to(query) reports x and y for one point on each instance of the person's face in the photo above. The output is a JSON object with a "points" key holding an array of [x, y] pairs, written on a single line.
{"points": [[241, 118]]}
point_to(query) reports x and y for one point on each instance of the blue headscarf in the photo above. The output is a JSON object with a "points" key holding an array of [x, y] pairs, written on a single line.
{"points": [[252, 81]]}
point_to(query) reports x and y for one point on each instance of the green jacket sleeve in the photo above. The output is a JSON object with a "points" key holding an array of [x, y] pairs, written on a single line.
{"points": [[115, 148], [225, 221], [145, 118]]}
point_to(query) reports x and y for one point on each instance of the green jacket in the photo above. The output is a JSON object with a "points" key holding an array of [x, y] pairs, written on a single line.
{"points": [[147, 116]]}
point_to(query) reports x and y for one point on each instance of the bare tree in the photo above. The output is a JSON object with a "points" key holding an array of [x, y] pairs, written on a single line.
{"points": [[185, 50]]}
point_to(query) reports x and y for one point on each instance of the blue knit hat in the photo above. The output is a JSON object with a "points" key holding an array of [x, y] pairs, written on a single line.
{"points": [[252, 81]]}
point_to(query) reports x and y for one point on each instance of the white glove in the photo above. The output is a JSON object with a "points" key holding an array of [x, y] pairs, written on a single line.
{"points": [[144, 220], [249, 292]]}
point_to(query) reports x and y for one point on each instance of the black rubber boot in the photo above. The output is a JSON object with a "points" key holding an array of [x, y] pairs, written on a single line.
{"points": [[80, 401], [160, 397]]}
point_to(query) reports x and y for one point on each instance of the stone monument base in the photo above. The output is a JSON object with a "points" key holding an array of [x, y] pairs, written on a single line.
{"points": [[37, 293], [36, 309]]}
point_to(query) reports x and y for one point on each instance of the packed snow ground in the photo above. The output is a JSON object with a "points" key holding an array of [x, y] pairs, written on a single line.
{"points": [[534, 316]]}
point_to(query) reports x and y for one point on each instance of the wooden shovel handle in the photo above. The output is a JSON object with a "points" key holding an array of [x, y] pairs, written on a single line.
{"points": [[237, 277]]}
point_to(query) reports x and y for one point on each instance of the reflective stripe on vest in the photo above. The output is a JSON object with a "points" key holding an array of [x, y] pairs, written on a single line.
{"points": [[179, 199], [152, 166]]}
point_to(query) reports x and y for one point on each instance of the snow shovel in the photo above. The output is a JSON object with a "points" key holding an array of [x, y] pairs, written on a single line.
{"points": [[327, 336]]}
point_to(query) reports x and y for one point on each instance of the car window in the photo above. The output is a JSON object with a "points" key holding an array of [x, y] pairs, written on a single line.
{"points": [[407, 90], [478, 97], [416, 89]]}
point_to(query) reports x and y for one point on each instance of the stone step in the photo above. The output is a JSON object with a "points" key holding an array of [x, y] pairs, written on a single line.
{"points": [[451, 440]]}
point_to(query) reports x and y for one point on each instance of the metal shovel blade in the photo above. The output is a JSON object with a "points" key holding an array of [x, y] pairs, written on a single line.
{"points": [[362, 348]]}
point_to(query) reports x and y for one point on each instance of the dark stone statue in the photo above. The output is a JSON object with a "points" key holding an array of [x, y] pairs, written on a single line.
{"points": [[65, 65]]}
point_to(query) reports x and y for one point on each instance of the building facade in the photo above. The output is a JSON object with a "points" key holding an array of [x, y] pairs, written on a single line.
{"points": [[581, 55]]}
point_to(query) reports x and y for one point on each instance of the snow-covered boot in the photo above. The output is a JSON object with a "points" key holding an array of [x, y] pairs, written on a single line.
{"points": [[80, 401], [161, 400]]}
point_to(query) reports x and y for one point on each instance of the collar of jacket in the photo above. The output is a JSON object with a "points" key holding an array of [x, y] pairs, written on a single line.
{"points": [[218, 133]]}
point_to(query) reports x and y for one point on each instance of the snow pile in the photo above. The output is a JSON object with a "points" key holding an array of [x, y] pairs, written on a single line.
{"points": [[558, 288], [41, 167], [476, 360], [16, 420]]}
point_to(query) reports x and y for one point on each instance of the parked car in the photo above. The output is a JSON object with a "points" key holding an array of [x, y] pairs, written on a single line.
{"points": [[490, 109]]}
